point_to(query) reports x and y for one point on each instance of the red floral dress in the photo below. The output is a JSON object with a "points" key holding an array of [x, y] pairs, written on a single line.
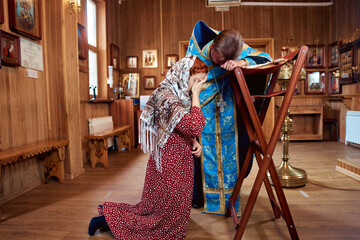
{"points": [[164, 210]]}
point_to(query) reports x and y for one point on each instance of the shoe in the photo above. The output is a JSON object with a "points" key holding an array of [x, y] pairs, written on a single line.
{"points": [[197, 204], [97, 223]]}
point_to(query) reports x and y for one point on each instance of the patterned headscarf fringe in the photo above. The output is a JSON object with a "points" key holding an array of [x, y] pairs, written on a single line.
{"points": [[165, 108]]}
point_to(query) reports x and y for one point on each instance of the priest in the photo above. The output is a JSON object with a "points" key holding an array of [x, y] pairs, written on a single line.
{"points": [[224, 142]]}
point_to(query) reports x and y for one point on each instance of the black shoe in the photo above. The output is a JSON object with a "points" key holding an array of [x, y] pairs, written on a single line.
{"points": [[106, 228], [197, 204], [97, 223]]}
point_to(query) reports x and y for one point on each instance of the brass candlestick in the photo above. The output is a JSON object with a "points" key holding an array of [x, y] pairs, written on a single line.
{"points": [[289, 176]]}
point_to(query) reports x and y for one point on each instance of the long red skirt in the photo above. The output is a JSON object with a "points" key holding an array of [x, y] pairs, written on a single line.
{"points": [[164, 210]]}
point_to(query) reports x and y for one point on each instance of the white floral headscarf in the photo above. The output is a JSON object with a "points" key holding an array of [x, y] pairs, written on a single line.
{"points": [[166, 106]]}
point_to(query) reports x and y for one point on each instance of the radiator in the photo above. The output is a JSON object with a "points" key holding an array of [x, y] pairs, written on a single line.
{"points": [[352, 134], [101, 124]]}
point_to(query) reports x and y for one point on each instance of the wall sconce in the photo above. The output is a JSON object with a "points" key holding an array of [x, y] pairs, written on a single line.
{"points": [[74, 4]]}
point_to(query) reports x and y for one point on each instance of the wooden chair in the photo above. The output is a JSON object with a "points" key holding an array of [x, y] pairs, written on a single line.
{"points": [[263, 150]]}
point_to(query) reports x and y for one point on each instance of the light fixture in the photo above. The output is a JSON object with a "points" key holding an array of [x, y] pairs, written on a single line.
{"points": [[74, 4]]}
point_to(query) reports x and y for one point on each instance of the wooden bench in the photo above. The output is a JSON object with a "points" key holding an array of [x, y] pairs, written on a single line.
{"points": [[99, 147], [51, 151]]}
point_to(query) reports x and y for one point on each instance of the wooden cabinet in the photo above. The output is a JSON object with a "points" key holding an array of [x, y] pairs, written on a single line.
{"points": [[124, 113], [307, 122]]}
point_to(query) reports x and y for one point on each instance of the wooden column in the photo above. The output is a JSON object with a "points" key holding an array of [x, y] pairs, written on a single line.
{"points": [[70, 61]]}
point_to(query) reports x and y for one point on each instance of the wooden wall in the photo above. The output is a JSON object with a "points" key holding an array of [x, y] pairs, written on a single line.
{"points": [[345, 21], [140, 26], [141, 23], [24, 119], [55, 105]]}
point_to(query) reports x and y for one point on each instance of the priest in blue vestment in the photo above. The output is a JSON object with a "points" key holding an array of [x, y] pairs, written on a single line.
{"points": [[224, 143]]}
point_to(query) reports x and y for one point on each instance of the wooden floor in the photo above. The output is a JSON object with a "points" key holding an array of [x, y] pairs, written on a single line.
{"points": [[63, 211]]}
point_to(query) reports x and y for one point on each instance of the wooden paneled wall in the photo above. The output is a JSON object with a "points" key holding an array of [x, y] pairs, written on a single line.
{"points": [[141, 22], [24, 119], [345, 21], [50, 106], [55, 104], [140, 26]]}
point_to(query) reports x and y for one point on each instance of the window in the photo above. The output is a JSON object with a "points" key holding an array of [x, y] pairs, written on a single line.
{"points": [[93, 71], [93, 51]]}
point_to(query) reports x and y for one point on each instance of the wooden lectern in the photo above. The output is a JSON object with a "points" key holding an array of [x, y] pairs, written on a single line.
{"points": [[259, 147]]}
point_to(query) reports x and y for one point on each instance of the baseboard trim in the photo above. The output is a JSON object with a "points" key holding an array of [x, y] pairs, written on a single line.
{"points": [[74, 175], [22, 191]]}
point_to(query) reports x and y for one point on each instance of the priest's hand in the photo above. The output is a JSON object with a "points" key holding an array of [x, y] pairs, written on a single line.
{"points": [[231, 64], [196, 148]]}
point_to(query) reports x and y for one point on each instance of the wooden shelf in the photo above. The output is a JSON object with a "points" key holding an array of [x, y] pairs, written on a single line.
{"points": [[307, 122], [305, 137], [101, 100]]}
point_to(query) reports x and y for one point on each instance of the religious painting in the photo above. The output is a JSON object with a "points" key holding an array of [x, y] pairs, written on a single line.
{"points": [[315, 83], [82, 42], [149, 82], [10, 49], [183, 46], [25, 17], [346, 52], [333, 55], [171, 59], [1, 13], [114, 56], [357, 60], [130, 80], [131, 62], [333, 82], [316, 56], [149, 59]]}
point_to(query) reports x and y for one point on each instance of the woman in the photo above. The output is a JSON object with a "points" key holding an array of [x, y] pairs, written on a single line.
{"points": [[169, 124]]}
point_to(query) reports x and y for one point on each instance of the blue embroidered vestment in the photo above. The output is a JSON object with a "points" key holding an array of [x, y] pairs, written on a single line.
{"points": [[220, 159]]}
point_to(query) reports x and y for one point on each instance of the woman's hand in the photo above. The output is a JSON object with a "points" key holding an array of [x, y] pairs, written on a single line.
{"points": [[196, 148], [199, 80]]}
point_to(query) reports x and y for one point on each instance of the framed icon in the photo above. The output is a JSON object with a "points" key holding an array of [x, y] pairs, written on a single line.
{"points": [[333, 54], [315, 57], [131, 62], [149, 82], [149, 59], [130, 80], [183, 47], [334, 82], [82, 42], [171, 59], [10, 49], [315, 83], [1, 12], [357, 60], [114, 56], [346, 63], [25, 18]]}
